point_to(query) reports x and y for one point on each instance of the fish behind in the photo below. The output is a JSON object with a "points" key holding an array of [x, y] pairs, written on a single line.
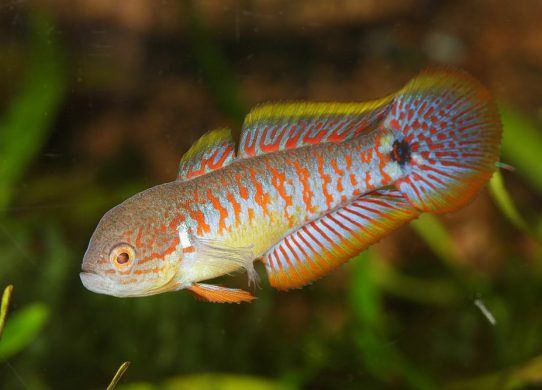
{"points": [[310, 186]]}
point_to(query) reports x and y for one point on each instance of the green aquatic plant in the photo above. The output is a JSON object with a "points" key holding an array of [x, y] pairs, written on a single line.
{"points": [[506, 204], [437, 238], [118, 375], [521, 376], [522, 144], [22, 328], [4, 306], [211, 381], [379, 357], [28, 120]]}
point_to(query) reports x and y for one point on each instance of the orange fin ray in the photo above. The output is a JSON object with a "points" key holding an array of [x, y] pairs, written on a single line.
{"points": [[219, 294], [214, 150], [322, 245], [281, 126], [452, 128]]}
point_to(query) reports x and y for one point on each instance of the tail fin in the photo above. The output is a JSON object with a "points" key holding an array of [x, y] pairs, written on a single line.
{"points": [[451, 132]]}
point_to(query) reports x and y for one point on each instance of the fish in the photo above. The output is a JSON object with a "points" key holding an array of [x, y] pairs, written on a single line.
{"points": [[310, 185]]}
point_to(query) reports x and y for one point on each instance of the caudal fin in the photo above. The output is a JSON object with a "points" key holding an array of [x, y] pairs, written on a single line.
{"points": [[450, 138]]}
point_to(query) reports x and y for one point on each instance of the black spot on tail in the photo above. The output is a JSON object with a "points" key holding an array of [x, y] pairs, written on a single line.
{"points": [[401, 152]]}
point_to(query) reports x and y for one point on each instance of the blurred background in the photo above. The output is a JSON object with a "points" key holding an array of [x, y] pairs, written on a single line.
{"points": [[98, 101]]}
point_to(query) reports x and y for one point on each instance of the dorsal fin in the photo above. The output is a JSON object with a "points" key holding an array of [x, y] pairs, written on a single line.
{"points": [[280, 126], [212, 151]]}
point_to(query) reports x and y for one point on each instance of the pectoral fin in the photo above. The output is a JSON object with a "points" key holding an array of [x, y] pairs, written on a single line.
{"points": [[219, 294], [213, 258]]}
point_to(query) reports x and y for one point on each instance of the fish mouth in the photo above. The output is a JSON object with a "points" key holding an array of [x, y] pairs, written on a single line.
{"points": [[104, 285], [98, 284]]}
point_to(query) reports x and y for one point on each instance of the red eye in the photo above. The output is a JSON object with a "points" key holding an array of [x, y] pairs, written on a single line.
{"points": [[122, 256]]}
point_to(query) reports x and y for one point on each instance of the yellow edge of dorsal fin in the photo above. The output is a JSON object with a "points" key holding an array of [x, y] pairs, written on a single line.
{"points": [[208, 140], [214, 150], [296, 109], [444, 79], [275, 127]]}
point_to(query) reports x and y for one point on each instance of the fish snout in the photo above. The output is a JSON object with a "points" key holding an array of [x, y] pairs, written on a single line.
{"points": [[94, 282]]}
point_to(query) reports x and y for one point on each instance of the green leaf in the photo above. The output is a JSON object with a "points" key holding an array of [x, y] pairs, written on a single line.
{"points": [[364, 294], [421, 290], [120, 372], [437, 237], [22, 329], [380, 358], [211, 382], [222, 382], [140, 386], [6, 298], [24, 127], [522, 143], [522, 376], [506, 204]]}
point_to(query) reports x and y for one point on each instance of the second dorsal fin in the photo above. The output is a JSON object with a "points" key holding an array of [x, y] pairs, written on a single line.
{"points": [[280, 126], [212, 151]]}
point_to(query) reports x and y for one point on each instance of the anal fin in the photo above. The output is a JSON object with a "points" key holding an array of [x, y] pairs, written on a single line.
{"points": [[322, 245], [219, 294]]}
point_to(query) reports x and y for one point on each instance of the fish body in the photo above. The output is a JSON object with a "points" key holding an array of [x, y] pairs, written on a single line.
{"points": [[311, 185]]}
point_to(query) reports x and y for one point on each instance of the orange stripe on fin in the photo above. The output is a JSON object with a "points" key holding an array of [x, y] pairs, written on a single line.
{"points": [[282, 126], [219, 294], [322, 245], [452, 138], [214, 150]]}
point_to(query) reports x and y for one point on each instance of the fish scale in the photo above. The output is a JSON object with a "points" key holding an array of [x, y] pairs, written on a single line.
{"points": [[260, 176]]}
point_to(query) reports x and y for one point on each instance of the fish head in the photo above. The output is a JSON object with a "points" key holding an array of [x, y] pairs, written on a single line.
{"points": [[132, 252]]}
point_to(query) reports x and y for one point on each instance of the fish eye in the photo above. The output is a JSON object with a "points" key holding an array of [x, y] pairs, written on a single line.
{"points": [[122, 256]]}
